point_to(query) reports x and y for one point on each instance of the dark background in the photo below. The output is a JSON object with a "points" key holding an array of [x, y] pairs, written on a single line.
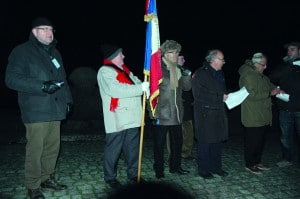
{"points": [[238, 28]]}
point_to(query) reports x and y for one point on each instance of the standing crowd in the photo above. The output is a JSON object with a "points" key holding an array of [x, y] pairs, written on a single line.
{"points": [[190, 109]]}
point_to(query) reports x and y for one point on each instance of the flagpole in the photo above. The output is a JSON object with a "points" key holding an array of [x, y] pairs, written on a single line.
{"points": [[152, 68], [142, 134]]}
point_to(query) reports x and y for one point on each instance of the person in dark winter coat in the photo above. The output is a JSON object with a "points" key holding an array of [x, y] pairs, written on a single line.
{"points": [[188, 116], [287, 77], [35, 70], [169, 112], [210, 117]]}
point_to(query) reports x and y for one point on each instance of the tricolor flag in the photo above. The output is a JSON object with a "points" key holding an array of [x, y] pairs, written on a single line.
{"points": [[152, 65]]}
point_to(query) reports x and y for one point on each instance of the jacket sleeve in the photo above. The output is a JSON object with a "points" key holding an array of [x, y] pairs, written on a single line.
{"points": [[185, 82], [250, 82], [276, 74], [111, 86], [17, 77]]}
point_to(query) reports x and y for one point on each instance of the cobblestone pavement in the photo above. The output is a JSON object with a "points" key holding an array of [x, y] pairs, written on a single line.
{"points": [[80, 167]]}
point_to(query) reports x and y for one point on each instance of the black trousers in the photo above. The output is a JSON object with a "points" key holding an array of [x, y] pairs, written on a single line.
{"points": [[159, 140], [254, 139], [126, 141], [209, 158]]}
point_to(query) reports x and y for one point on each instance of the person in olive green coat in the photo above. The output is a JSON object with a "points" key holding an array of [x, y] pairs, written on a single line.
{"points": [[256, 110]]}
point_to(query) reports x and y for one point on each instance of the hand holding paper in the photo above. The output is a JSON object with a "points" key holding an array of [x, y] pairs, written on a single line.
{"points": [[282, 95], [236, 98]]}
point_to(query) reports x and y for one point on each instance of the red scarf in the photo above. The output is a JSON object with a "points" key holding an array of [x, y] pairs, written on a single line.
{"points": [[122, 77]]}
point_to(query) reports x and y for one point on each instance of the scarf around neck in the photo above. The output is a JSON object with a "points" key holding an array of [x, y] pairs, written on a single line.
{"points": [[173, 74], [122, 77]]}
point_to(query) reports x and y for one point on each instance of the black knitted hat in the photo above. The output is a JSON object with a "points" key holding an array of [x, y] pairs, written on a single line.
{"points": [[110, 51], [41, 21]]}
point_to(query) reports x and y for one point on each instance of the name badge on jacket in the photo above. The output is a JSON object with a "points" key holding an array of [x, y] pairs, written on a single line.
{"points": [[55, 62]]}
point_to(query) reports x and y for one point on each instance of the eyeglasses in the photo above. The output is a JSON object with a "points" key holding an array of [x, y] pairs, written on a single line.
{"points": [[174, 51], [46, 29], [263, 65], [223, 60]]}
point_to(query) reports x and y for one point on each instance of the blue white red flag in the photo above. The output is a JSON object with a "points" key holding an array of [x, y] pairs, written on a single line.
{"points": [[152, 65]]}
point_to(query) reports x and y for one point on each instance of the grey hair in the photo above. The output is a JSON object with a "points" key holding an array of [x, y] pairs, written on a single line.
{"points": [[170, 45], [257, 57], [211, 55]]}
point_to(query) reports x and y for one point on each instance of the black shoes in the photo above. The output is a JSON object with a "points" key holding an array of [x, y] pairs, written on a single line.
{"points": [[206, 176], [189, 158], [114, 184], [254, 169], [180, 171], [221, 173], [51, 183], [263, 167], [35, 194]]}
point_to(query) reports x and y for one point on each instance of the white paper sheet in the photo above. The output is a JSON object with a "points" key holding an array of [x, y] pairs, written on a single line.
{"points": [[296, 63], [236, 98], [283, 96]]}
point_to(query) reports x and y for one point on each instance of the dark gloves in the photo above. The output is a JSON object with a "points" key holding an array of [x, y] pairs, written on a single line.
{"points": [[69, 108], [51, 86]]}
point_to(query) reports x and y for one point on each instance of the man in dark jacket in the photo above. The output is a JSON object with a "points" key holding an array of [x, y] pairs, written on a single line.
{"points": [[188, 116], [35, 70], [287, 77], [169, 112], [210, 117]]}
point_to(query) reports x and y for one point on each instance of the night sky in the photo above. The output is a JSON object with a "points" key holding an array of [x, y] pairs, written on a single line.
{"points": [[239, 28]]}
